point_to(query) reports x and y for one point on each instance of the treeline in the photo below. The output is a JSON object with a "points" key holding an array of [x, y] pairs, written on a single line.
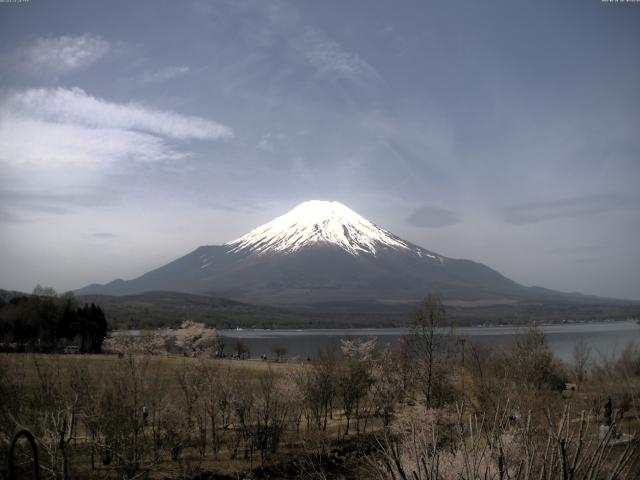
{"points": [[46, 322]]}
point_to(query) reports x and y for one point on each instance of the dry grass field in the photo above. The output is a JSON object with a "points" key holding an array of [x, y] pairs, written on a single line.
{"points": [[161, 381], [359, 414]]}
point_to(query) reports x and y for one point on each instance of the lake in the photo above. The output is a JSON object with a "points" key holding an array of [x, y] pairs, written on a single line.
{"points": [[605, 338]]}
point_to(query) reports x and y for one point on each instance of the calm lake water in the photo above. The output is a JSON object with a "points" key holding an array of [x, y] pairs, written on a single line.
{"points": [[605, 338]]}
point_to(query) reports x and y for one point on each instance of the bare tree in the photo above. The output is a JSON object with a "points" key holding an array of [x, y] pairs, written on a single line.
{"points": [[428, 343], [12, 390], [355, 377], [241, 348], [441, 445], [319, 388], [270, 413], [193, 388], [58, 405], [488, 377], [581, 359], [387, 389], [243, 404], [212, 392], [120, 416], [629, 361], [290, 389], [531, 362], [280, 352]]}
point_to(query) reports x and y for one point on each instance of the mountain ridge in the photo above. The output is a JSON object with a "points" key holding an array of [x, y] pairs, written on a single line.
{"points": [[323, 253]]}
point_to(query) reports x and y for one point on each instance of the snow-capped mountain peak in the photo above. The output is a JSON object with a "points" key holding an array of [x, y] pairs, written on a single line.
{"points": [[315, 222]]}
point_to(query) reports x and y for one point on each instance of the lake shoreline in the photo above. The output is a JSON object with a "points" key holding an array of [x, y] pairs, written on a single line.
{"points": [[606, 338]]}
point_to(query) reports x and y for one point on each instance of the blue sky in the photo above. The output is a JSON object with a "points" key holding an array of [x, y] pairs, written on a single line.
{"points": [[504, 132]]}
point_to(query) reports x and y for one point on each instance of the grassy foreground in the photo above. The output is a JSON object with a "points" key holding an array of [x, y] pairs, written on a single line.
{"points": [[415, 411], [45, 385]]}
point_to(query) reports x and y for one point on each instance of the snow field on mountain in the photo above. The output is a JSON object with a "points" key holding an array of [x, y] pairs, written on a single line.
{"points": [[314, 222]]}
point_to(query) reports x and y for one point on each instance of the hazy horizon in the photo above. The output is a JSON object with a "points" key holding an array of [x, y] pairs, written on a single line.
{"points": [[133, 132]]}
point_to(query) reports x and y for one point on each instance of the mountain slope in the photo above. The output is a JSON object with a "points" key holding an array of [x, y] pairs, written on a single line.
{"points": [[321, 253]]}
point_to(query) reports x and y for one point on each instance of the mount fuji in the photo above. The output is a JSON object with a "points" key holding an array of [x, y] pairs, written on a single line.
{"points": [[320, 254]]}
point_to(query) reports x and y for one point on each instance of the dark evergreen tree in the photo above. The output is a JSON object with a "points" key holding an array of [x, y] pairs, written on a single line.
{"points": [[46, 323]]}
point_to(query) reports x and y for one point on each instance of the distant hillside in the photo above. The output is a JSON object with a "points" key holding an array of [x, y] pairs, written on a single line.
{"points": [[156, 309], [6, 295], [168, 309], [159, 309]]}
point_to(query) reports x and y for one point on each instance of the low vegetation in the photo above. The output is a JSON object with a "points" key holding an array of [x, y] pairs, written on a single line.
{"points": [[432, 407]]}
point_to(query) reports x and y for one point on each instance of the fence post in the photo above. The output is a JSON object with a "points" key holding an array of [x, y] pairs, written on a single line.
{"points": [[34, 449]]}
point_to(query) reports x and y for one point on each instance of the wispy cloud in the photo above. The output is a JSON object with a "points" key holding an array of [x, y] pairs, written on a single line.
{"points": [[578, 249], [432, 217], [564, 208], [19, 212], [329, 56], [37, 142], [19, 205], [62, 126], [61, 55], [277, 23], [164, 74], [104, 235], [75, 106], [72, 145], [26, 199], [9, 217]]}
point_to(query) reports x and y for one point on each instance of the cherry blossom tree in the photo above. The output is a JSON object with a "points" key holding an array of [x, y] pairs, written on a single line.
{"points": [[154, 344], [195, 338]]}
